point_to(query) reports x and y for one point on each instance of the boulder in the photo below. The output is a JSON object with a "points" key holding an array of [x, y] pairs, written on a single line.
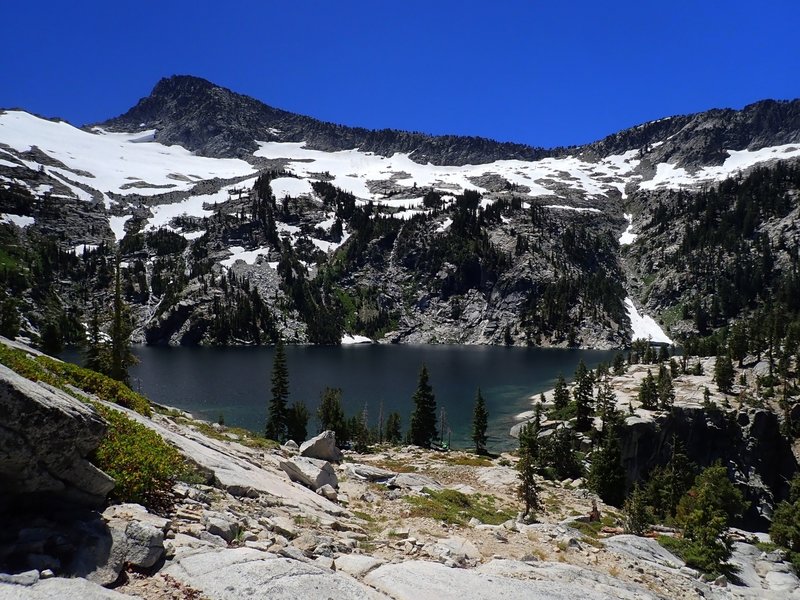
{"points": [[357, 565], [328, 491], [367, 472], [45, 437], [57, 587], [221, 524], [311, 472], [457, 549], [143, 533], [414, 481], [322, 447]]}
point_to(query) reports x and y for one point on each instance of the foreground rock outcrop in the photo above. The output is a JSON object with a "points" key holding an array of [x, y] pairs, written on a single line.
{"points": [[45, 437]]}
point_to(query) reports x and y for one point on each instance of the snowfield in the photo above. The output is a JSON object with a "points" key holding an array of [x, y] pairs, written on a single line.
{"points": [[644, 327], [116, 161]]}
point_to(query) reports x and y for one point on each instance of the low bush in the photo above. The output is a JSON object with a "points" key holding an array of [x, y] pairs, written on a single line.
{"points": [[141, 463], [101, 386], [451, 506]]}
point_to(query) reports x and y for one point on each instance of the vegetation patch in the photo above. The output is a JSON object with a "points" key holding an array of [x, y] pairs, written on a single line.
{"points": [[466, 460], [246, 437], [451, 506], [142, 464], [101, 386]]}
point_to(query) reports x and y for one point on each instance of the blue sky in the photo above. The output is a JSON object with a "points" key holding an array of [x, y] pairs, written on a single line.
{"points": [[543, 73]]}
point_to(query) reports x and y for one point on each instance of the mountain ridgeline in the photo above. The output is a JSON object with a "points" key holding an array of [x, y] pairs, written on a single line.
{"points": [[309, 231]]}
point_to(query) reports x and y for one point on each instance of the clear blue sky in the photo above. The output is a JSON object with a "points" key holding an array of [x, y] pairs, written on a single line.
{"points": [[544, 73]]}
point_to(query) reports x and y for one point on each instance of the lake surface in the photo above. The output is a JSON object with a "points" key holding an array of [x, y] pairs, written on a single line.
{"points": [[235, 382]]}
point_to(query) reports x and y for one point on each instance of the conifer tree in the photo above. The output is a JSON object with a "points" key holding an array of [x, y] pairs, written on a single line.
{"points": [[648, 393], [606, 474], [393, 433], [663, 354], [583, 397], [96, 351], [423, 420], [331, 414], [276, 420], [723, 373], [606, 407], [704, 513], [637, 516], [560, 394], [297, 422], [480, 422], [121, 329], [666, 389], [527, 466]]}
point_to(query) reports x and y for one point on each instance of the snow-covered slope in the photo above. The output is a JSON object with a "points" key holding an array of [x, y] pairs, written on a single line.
{"points": [[120, 163], [113, 165], [131, 179]]}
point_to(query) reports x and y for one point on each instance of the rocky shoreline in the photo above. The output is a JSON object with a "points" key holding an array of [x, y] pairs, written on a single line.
{"points": [[363, 526]]}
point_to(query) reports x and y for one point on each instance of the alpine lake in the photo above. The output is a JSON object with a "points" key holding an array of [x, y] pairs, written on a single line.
{"points": [[233, 383]]}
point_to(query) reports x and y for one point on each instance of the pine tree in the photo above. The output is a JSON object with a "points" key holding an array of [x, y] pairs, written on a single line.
{"points": [[96, 350], [480, 422], [393, 433], [527, 466], [637, 516], [423, 419], [607, 407], [583, 397], [738, 342], [331, 414], [276, 420], [297, 422], [560, 394], [648, 392], [665, 387], [619, 364], [667, 484], [724, 374], [704, 513], [785, 528], [663, 354], [606, 474], [121, 329]]}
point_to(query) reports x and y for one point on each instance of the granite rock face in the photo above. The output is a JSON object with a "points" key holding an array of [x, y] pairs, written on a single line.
{"points": [[311, 472], [45, 436], [322, 446]]}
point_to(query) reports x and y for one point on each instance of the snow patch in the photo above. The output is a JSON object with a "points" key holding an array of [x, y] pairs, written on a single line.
{"points": [[349, 340], [627, 238], [574, 208], [643, 326], [290, 186], [82, 249], [239, 253], [444, 226], [117, 225], [18, 220]]}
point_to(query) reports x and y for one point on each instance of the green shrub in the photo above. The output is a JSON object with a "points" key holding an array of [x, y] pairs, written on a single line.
{"points": [[451, 506], [101, 386], [785, 529], [141, 463]]}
